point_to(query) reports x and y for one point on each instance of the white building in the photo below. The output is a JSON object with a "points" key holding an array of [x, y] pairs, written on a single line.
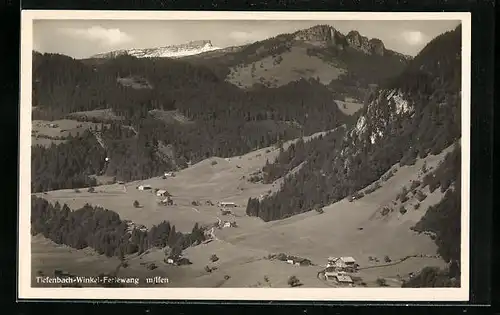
{"points": [[227, 204], [344, 279], [162, 193], [144, 187], [342, 262]]}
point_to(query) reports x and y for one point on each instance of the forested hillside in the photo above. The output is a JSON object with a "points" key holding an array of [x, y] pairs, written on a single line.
{"points": [[416, 114], [66, 165], [444, 219], [225, 120]]}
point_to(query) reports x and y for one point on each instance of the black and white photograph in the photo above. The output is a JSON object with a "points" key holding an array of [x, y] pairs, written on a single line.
{"points": [[240, 155]]}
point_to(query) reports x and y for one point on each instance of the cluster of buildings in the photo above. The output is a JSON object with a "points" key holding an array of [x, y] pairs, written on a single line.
{"points": [[224, 204], [227, 224], [298, 261], [338, 268], [158, 192]]}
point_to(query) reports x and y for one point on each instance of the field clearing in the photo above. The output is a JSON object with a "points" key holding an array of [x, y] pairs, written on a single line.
{"points": [[48, 256], [349, 107], [170, 116], [47, 132], [45, 142], [268, 71], [99, 114]]}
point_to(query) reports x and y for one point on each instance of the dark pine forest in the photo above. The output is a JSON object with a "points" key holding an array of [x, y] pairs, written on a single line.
{"points": [[225, 120]]}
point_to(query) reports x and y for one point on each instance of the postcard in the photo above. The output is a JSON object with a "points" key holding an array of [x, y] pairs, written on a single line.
{"points": [[185, 155]]}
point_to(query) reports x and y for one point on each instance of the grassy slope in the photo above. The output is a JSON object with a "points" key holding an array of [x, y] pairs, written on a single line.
{"points": [[65, 127], [311, 235]]}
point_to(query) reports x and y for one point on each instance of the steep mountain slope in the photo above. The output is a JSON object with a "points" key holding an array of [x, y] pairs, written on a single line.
{"points": [[414, 115], [172, 51], [321, 52]]}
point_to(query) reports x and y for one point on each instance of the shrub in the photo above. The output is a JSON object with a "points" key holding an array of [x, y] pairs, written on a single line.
{"points": [[91, 190], [414, 184], [358, 195], [373, 188], [404, 198], [319, 210], [152, 266], [385, 211], [213, 163], [402, 210], [214, 258], [77, 190], [227, 277], [183, 261], [387, 259], [136, 204], [416, 206], [424, 168], [420, 196], [208, 269], [293, 281], [282, 257], [381, 282], [255, 178], [266, 278], [433, 186]]}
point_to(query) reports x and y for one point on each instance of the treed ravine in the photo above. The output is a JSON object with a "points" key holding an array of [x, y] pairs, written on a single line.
{"points": [[147, 116]]}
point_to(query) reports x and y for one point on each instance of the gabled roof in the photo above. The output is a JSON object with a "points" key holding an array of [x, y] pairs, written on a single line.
{"points": [[348, 259], [344, 279]]}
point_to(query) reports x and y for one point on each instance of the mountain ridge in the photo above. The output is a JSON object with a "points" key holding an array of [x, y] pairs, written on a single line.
{"points": [[317, 35], [170, 51]]}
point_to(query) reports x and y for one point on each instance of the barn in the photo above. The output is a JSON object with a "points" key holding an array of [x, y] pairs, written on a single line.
{"points": [[163, 193], [144, 187]]}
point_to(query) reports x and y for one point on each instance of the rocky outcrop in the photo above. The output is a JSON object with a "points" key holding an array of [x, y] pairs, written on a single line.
{"points": [[321, 35], [326, 35]]}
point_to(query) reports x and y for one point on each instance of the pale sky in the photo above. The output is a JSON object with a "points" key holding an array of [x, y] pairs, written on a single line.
{"points": [[83, 38]]}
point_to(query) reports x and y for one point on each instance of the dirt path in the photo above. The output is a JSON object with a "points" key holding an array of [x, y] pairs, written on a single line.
{"points": [[325, 281], [398, 262]]}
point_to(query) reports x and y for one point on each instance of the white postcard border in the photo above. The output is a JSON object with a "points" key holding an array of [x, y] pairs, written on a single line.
{"points": [[25, 291]]}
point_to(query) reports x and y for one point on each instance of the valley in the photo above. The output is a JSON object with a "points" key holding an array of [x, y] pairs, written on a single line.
{"points": [[244, 249], [264, 165]]}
